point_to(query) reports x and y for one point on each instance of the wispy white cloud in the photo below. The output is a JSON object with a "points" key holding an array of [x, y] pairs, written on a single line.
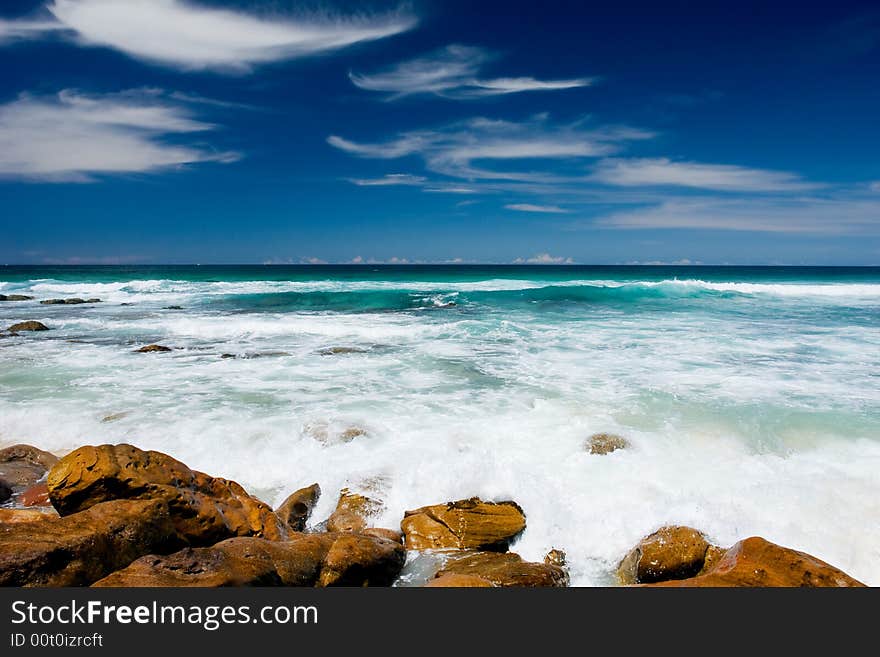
{"points": [[528, 207], [453, 150], [544, 259], [73, 137], [390, 179], [187, 35], [874, 186], [722, 177], [453, 72], [815, 216], [15, 30]]}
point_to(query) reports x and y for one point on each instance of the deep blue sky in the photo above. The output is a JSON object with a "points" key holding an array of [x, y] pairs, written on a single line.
{"points": [[722, 132]]}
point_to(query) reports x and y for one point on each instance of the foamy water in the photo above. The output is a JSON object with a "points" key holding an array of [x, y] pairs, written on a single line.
{"points": [[751, 399]]}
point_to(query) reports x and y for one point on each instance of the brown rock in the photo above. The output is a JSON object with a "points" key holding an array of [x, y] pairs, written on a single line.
{"points": [[465, 524], [296, 509], [605, 443], [353, 512], [357, 560], [713, 556], [84, 547], [388, 534], [22, 466], [152, 349], [52, 302], [36, 495], [204, 509], [507, 569], [453, 581], [30, 325], [304, 560], [669, 553], [113, 417], [351, 433], [14, 297], [555, 558], [13, 516], [756, 562]]}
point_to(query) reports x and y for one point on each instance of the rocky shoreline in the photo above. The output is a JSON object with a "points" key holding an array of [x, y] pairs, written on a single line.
{"points": [[119, 516]]}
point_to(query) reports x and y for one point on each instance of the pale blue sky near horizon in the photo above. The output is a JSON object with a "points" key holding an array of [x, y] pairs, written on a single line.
{"points": [[257, 131]]}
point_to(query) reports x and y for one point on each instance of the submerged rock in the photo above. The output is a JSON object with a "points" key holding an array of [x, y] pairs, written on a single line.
{"points": [[70, 302], [14, 297], [465, 524], [353, 512], [304, 560], [756, 562], [605, 443], [113, 417], [83, 547], [669, 553], [297, 508], [173, 308], [339, 351], [29, 325], [204, 509], [152, 349], [505, 569]]}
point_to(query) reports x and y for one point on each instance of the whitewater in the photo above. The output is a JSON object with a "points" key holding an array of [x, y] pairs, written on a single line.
{"points": [[750, 396]]}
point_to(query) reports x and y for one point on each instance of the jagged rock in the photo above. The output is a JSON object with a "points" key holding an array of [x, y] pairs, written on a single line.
{"points": [[113, 417], [5, 491], [173, 308], [151, 349], [465, 524], [555, 558], [353, 512], [605, 443], [298, 507], [454, 581], [304, 560], [756, 562], [204, 509], [14, 297], [29, 325], [669, 553], [83, 547], [505, 569]]}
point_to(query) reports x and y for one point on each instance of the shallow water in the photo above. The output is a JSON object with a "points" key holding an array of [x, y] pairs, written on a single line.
{"points": [[751, 396]]}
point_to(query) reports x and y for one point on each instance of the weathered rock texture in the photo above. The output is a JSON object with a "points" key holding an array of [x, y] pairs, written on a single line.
{"points": [[505, 569], [304, 560], [204, 509], [669, 553], [83, 547], [758, 562], [297, 508], [466, 524], [353, 512], [29, 325]]}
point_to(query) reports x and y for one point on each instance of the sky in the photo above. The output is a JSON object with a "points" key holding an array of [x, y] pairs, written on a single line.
{"points": [[439, 131]]}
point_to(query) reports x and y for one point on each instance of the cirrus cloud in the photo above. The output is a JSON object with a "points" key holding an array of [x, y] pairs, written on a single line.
{"points": [[453, 72], [529, 207], [72, 137], [191, 36], [721, 177]]}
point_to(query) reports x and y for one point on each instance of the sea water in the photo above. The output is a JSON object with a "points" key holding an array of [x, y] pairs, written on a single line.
{"points": [[750, 396]]}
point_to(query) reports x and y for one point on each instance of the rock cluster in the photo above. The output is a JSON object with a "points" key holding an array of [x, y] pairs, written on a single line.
{"points": [[69, 302]]}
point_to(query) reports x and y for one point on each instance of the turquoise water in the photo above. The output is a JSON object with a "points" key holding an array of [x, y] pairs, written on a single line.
{"points": [[750, 396]]}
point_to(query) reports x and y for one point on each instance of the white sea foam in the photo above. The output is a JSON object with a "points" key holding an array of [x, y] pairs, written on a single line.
{"points": [[741, 423]]}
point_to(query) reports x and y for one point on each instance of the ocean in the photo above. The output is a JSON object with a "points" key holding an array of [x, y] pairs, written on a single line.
{"points": [[750, 396]]}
